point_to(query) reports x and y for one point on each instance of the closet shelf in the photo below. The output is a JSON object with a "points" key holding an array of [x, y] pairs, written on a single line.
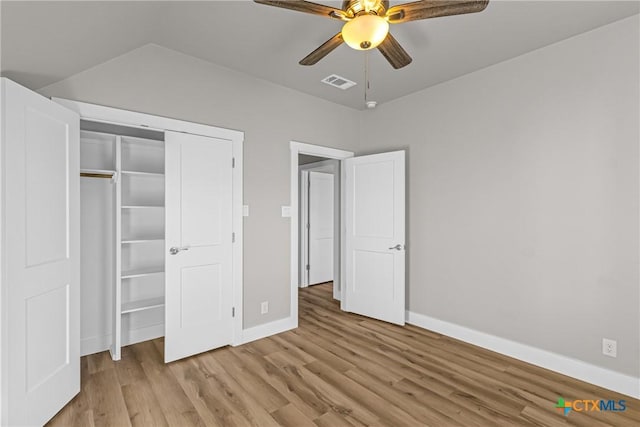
{"points": [[104, 136], [134, 140], [141, 272], [145, 304], [141, 173], [143, 240], [142, 207]]}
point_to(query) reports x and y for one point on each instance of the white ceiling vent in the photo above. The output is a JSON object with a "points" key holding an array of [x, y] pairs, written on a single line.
{"points": [[339, 82]]}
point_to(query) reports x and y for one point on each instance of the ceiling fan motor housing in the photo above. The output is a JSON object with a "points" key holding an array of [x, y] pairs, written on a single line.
{"points": [[355, 7]]}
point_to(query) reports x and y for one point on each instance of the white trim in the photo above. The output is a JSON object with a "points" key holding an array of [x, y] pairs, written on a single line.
{"points": [[268, 329], [303, 237], [612, 380], [134, 336], [319, 151], [100, 343], [312, 150], [95, 344], [238, 226], [103, 114], [99, 113], [343, 236], [4, 293]]}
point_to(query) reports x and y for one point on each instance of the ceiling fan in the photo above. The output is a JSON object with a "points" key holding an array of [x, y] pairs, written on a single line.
{"points": [[367, 23]]}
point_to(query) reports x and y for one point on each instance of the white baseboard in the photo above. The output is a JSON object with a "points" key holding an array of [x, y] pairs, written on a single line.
{"points": [[147, 333], [103, 342], [612, 380], [94, 344], [268, 329]]}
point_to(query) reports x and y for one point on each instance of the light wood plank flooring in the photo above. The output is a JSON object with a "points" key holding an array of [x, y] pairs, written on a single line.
{"points": [[336, 369]]}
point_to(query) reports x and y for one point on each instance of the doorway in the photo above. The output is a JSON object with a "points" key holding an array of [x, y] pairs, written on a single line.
{"points": [[319, 208], [326, 156], [369, 241]]}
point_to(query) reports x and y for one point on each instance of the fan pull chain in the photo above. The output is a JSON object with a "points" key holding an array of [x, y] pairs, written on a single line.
{"points": [[366, 76], [367, 85]]}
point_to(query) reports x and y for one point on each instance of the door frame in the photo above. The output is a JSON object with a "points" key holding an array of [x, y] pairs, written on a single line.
{"points": [[99, 113], [331, 167], [318, 151]]}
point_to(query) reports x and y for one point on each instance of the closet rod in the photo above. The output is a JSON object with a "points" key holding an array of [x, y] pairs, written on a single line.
{"points": [[96, 175]]}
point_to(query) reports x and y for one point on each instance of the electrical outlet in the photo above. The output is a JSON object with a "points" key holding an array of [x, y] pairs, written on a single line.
{"points": [[609, 347], [264, 307]]}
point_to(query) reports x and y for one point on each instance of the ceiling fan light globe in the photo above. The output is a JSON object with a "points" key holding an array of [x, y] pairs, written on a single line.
{"points": [[365, 32]]}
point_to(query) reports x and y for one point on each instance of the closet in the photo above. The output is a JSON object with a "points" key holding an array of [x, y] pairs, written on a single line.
{"points": [[161, 222], [117, 227], [122, 236]]}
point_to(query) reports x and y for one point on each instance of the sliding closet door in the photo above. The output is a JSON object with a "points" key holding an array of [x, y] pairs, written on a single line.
{"points": [[40, 283], [198, 174]]}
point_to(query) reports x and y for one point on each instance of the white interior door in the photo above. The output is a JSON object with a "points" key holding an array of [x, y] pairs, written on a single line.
{"points": [[198, 303], [320, 227], [40, 284], [375, 236]]}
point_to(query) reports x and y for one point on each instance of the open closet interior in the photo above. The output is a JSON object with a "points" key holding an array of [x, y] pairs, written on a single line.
{"points": [[122, 202]]}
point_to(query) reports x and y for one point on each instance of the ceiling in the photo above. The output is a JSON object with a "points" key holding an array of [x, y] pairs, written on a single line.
{"points": [[44, 42]]}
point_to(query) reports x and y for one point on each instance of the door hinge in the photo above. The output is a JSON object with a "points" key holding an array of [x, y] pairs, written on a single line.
{"points": [[233, 237], [308, 267], [308, 226], [233, 312], [233, 162]]}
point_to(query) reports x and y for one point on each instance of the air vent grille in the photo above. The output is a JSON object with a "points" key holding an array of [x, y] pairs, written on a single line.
{"points": [[339, 82]]}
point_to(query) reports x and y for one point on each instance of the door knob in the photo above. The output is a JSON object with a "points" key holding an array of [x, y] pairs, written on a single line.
{"points": [[397, 247], [174, 249]]}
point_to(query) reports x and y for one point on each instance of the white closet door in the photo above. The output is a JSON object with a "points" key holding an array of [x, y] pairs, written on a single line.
{"points": [[375, 227], [40, 288], [320, 227], [198, 243]]}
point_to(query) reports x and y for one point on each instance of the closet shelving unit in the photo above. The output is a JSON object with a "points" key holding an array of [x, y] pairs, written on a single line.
{"points": [[135, 168], [139, 290]]}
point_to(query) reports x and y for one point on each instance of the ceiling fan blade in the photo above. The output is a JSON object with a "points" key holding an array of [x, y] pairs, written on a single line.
{"points": [[306, 7], [395, 54], [432, 9], [323, 50]]}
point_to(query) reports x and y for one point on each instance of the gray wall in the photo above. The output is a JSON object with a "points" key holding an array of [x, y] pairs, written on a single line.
{"points": [[523, 182], [523, 196], [160, 81]]}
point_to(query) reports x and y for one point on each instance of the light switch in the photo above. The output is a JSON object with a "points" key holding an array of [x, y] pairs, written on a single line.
{"points": [[286, 211], [245, 210]]}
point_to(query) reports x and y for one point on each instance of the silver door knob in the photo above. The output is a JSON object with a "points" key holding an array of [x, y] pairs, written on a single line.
{"points": [[174, 249], [397, 247]]}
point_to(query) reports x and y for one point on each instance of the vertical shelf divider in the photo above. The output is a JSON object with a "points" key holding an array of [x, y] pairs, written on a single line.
{"points": [[117, 291]]}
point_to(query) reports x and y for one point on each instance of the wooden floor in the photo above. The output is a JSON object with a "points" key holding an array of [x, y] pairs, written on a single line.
{"points": [[336, 369]]}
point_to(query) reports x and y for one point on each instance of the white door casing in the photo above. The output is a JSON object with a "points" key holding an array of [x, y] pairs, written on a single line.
{"points": [[375, 236], [198, 297], [303, 249], [321, 217], [40, 254]]}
